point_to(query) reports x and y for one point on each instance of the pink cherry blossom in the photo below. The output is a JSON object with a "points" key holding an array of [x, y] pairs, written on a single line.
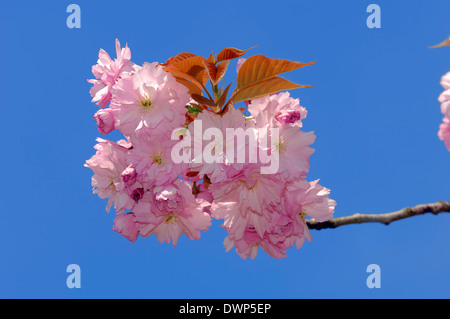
{"points": [[153, 192], [444, 98], [151, 157], [289, 116], [281, 233], [221, 168], [129, 175], [125, 225], [107, 72], [310, 199], [444, 131], [249, 190], [149, 100], [137, 194], [105, 121], [291, 147], [246, 199], [285, 223], [204, 193], [108, 164], [277, 109], [171, 210]]}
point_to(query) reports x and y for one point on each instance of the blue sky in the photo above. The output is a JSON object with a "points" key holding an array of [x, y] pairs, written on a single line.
{"points": [[373, 108]]}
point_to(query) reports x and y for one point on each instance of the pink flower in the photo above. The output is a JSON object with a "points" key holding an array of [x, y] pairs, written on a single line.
{"points": [[129, 175], [249, 190], [309, 199], [281, 225], [282, 232], [278, 118], [172, 210], [277, 109], [217, 166], [166, 198], [137, 194], [288, 116], [105, 121], [149, 100], [444, 98], [248, 246], [168, 178], [246, 199], [445, 82], [151, 157], [204, 193], [125, 225], [108, 164], [107, 72], [289, 150], [285, 231], [444, 132]]}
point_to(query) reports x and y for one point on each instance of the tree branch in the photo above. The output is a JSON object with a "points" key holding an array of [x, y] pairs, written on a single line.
{"points": [[435, 208]]}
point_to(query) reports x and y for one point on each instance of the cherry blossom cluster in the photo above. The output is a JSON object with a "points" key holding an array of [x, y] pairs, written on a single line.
{"points": [[153, 192], [444, 98]]}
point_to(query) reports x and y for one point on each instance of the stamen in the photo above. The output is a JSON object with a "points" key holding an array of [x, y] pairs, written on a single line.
{"points": [[146, 104], [158, 159], [170, 218]]}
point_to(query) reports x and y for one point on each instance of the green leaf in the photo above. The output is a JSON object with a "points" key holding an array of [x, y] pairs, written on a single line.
{"points": [[192, 109]]}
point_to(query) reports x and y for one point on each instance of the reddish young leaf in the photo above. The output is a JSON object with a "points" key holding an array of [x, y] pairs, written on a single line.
{"points": [[221, 69], [179, 57], [442, 44], [203, 100], [192, 87], [211, 58], [258, 68], [223, 97], [230, 53], [191, 68], [216, 73], [265, 87], [211, 69], [177, 72]]}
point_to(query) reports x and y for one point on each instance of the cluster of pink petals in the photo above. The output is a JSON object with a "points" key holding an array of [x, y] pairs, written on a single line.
{"points": [[137, 175], [269, 211], [171, 210], [107, 72], [220, 170], [444, 98], [108, 164], [151, 100], [154, 194]]}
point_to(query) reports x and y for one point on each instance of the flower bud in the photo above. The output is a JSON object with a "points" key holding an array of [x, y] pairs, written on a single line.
{"points": [[137, 194], [105, 121], [288, 116], [129, 175]]}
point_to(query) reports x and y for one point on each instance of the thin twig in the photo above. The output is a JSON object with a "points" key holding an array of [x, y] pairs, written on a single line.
{"points": [[434, 208]]}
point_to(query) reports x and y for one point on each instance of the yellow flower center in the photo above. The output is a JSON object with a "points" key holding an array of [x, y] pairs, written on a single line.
{"points": [[245, 186], [302, 215], [158, 159], [146, 104], [170, 219], [281, 146]]}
